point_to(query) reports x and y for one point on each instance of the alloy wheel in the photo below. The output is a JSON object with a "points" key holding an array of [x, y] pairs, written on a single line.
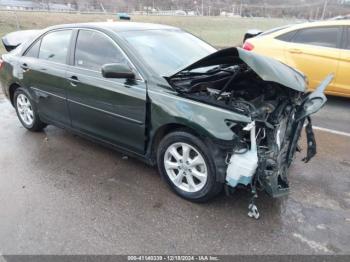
{"points": [[25, 109], [186, 167]]}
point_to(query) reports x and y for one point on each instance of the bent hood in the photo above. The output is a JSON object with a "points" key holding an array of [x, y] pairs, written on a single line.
{"points": [[266, 68]]}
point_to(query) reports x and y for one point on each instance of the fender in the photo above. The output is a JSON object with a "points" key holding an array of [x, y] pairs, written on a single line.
{"points": [[209, 121]]}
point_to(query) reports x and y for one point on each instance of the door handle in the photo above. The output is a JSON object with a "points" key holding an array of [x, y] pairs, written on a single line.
{"points": [[295, 51], [25, 67], [74, 80]]}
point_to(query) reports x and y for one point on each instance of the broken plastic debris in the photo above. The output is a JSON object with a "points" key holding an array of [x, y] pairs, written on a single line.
{"points": [[253, 211]]}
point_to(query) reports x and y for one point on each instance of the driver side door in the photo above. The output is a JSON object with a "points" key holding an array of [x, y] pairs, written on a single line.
{"points": [[112, 110]]}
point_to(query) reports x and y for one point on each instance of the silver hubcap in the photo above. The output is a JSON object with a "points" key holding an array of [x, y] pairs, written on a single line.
{"points": [[25, 109], [185, 167]]}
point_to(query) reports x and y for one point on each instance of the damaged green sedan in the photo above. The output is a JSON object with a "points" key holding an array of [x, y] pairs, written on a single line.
{"points": [[206, 118]]}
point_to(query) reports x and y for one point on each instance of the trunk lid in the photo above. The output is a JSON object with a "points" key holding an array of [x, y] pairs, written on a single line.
{"points": [[12, 40]]}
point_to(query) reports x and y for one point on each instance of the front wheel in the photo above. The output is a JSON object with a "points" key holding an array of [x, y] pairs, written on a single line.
{"points": [[187, 165], [26, 111]]}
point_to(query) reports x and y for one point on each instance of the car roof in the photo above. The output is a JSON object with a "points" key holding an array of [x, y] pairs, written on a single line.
{"points": [[292, 27], [317, 24], [117, 26], [323, 23]]}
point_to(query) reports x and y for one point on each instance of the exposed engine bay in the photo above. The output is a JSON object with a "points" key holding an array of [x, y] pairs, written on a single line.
{"points": [[236, 88], [262, 151]]}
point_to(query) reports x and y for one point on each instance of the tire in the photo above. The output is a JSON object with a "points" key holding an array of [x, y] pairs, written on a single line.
{"points": [[26, 111], [195, 180]]}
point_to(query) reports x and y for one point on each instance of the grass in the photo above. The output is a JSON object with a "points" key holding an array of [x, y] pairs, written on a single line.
{"points": [[219, 31]]}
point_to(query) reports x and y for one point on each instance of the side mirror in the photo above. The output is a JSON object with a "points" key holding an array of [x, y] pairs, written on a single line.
{"points": [[117, 71]]}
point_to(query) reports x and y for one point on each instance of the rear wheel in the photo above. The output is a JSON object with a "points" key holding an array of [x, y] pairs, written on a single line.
{"points": [[185, 162], [26, 111]]}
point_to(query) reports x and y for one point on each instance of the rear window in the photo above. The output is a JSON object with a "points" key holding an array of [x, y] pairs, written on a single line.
{"points": [[287, 37], [318, 36], [274, 30], [347, 44], [54, 46], [33, 51]]}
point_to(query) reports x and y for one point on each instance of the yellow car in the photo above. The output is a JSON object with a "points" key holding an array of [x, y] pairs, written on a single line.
{"points": [[315, 48]]}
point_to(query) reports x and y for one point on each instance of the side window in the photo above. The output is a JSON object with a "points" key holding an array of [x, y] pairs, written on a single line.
{"points": [[54, 46], [287, 37], [33, 51], [93, 49], [319, 36], [347, 44]]}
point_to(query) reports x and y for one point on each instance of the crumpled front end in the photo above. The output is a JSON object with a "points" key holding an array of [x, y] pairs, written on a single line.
{"points": [[273, 96], [274, 143]]}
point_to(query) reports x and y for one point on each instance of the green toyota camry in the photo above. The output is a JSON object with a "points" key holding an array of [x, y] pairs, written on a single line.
{"points": [[206, 118]]}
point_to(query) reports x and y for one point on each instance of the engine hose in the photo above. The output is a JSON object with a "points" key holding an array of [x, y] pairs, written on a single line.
{"points": [[235, 74]]}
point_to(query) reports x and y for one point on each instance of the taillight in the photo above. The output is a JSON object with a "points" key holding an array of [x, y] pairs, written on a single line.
{"points": [[248, 46]]}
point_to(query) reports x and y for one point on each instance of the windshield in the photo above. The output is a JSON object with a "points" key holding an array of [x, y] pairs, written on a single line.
{"points": [[167, 51]]}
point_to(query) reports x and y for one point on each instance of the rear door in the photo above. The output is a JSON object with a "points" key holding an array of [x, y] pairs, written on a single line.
{"points": [[113, 110], [315, 52], [269, 45], [343, 73], [43, 67]]}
